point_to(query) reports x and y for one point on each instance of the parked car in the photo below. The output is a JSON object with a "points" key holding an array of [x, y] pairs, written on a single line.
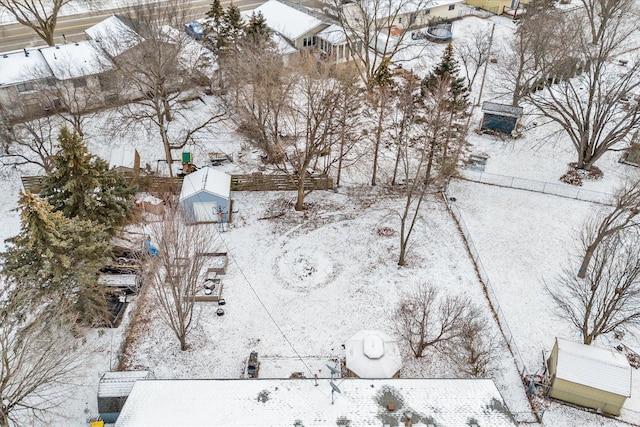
{"points": [[194, 29]]}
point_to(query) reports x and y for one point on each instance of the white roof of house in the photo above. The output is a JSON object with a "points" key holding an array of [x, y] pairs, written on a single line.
{"points": [[333, 34], [21, 66], [208, 180], [79, 59], [283, 47], [264, 403], [386, 8], [289, 22], [593, 367], [373, 354], [114, 36]]}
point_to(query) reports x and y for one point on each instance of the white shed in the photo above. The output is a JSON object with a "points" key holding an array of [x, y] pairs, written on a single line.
{"points": [[589, 376], [205, 196], [373, 354]]}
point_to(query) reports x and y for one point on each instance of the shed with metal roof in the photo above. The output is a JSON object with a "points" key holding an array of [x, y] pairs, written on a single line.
{"points": [[114, 389], [589, 376], [500, 117]]}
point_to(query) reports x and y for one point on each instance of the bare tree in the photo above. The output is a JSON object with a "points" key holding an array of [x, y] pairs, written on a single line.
{"points": [[367, 27], [539, 50], [602, 15], [259, 89], [475, 351], [40, 16], [164, 69], [473, 52], [37, 359], [33, 142], [595, 108], [626, 205], [178, 270], [303, 117], [425, 318], [609, 295], [313, 127]]}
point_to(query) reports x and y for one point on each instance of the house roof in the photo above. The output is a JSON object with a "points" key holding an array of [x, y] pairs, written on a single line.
{"points": [[114, 35], [593, 367], [289, 22], [373, 354], [21, 66], [333, 34], [79, 59], [502, 109], [260, 402], [118, 384], [282, 45], [208, 180]]}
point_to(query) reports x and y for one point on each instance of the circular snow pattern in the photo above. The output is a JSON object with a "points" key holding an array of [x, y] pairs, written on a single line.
{"points": [[305, 268]]}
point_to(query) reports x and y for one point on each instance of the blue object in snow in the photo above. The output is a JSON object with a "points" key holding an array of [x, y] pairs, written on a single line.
{"points": [[150, 249]]}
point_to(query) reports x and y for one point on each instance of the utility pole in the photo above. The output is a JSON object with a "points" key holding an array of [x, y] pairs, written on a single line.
{"points": [[486, 64]]}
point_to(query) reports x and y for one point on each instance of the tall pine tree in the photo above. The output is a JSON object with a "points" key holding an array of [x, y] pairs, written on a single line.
{"points": [[256, 30], [231, 27], [81, 185], [448, 70], [57, 260], [215, 12]]}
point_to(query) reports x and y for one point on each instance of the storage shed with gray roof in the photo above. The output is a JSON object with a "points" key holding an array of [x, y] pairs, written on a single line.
{"points": [[589, 376]]}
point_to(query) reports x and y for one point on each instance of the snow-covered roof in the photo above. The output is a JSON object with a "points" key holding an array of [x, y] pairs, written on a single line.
{"points": [[122, 157], [432, 4], [120, 383], [333, 34], [114, 35], [283, 47], [21, 66], [289, 22], [206, 179], [264, 403], [505, 109], [373, 354], [79, 59], [593, 367]]}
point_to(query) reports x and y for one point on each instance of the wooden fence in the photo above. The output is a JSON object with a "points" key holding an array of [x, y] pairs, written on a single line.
{"points": [[281, 182], [250, 182]]}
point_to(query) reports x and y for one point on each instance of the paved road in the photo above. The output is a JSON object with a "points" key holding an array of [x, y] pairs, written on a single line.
{"points": [[16, 36]]}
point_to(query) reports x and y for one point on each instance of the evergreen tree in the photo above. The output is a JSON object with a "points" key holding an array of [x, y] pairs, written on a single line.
{"points": [[81, 185], [231, 27], [57, 259], [256, 29], [448, 70], [215, 12]]}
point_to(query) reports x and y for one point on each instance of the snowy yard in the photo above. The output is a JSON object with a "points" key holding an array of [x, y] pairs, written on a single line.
{"points": [[299, 285]]}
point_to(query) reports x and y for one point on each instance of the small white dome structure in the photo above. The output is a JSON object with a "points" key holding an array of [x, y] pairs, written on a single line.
{"points": [[373, 354]]}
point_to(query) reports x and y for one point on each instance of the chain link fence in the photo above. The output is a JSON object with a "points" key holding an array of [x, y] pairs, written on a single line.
{"points": [[484, 276], [556, 189]]}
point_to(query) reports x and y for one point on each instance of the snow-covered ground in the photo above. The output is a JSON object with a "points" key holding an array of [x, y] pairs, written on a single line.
{"points": [[299, 285]]}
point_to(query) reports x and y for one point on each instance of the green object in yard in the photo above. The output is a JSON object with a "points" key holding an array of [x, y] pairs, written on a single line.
{"points": [[186, 157]]}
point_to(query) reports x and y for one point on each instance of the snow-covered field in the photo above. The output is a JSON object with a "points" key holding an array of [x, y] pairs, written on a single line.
{"points": [[299, 285]]}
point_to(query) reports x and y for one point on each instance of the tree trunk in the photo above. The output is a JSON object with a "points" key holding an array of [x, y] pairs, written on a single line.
{"points": [[300, 198], [582, 272], [4, 417], [376, 145]]}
